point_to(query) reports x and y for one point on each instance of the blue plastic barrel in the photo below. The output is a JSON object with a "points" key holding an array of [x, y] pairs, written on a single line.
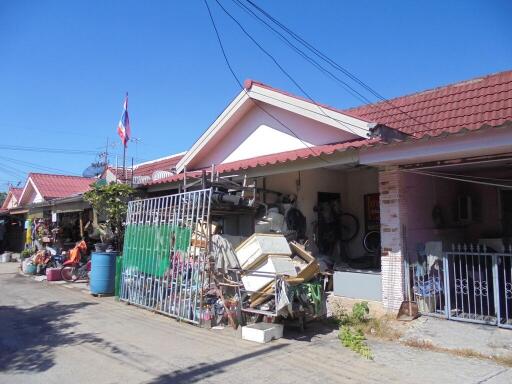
{"points": [[103, 272]]}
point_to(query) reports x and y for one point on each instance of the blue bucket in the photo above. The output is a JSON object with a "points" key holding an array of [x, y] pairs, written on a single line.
{"points": [[103, 272]]}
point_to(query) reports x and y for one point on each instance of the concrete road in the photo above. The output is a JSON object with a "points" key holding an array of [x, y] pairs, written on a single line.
{"points": [[53, 334]]}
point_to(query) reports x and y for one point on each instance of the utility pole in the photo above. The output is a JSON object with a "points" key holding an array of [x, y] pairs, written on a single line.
{"points": [[106, 156]]}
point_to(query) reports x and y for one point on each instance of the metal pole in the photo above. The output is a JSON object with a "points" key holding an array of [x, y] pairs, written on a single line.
{"points": [[124, 162], [131, 183]]}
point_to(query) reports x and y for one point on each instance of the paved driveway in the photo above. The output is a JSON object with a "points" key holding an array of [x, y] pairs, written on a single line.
{"points": [[53, 334]]}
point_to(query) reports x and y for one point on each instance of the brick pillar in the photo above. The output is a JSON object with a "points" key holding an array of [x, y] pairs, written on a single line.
{"points": [[392, 215]]}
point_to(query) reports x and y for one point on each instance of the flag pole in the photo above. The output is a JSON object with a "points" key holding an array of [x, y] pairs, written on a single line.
{"points": [[124, 162], [125, 143]]}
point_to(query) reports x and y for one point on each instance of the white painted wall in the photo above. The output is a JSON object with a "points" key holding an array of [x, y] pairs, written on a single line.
{"points": [[12, 203], [264, 140], [352, 186], [257, 134]]}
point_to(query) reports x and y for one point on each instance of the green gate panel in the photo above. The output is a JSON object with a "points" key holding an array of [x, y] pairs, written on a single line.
{"points": [[147, 248]]}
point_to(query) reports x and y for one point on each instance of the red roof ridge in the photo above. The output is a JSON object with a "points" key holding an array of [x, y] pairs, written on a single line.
{"points": [[58, 175], [135, 166]]}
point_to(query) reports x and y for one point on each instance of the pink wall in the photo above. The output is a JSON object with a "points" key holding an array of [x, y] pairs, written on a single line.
{"points": [[424, 192]]}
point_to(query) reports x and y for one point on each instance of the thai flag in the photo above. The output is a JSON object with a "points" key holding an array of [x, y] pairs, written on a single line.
{"points": [[123, 128]]}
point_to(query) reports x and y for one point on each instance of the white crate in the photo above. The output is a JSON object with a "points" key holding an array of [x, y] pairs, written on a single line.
{"points": [[262, 332], [258, 246], [282, 265]]}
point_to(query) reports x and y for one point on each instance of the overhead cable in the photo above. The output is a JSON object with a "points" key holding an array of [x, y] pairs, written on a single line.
{"points": [[231, 70], [334, 64], [285, 72], [447, 177], [346, 86]]}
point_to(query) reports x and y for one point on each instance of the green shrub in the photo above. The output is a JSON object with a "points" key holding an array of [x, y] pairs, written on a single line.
{"points": [[27, 252], [354, 339], [353, 327], [360, 312]]}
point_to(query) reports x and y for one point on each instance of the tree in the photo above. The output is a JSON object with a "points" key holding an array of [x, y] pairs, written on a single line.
{"points": [[3, 196], [111, 201]]}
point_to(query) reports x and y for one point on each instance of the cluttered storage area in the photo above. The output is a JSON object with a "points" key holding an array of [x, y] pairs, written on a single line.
{"points": [[244, 250], [52, 230]]}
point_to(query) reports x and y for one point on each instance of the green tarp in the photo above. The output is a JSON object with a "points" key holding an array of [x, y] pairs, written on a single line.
{"points": [[147, 248]]}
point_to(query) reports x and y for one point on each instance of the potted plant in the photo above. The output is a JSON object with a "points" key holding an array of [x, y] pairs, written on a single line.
{"points": [[111, 202]]}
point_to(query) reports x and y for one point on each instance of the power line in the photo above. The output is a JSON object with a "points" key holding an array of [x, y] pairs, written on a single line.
{"points": [[347, 87], [226, 59], [34, 165], [11, 171], [356, 94], [48, 150], [281, 68], [455, 178], [333, 63]]}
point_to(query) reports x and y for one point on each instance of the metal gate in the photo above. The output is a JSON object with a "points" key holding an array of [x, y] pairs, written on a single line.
{"points": [[165, 254], [469, 283]]}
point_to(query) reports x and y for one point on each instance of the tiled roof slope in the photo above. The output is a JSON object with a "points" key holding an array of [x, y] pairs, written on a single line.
{"points": [[165, 164], [16, 192], [467, 105], [54, 186], [277, 158]]}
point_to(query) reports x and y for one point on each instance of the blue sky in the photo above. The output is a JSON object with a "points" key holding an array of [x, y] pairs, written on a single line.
{"points": [[65, 65]]}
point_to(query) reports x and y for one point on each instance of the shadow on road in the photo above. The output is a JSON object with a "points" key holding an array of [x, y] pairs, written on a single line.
{"points": [[311, 332], [201, 371], [29, 336]]}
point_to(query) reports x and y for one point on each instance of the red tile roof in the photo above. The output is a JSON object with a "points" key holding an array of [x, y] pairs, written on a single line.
{"points": [[469, 105], [466, 105], [16, 192], [54, 186], [278, 158], [164, 164], [120, 172]]}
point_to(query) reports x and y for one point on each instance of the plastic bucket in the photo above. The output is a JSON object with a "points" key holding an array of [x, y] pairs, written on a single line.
{"points": [[5, 257], [103, 272]]}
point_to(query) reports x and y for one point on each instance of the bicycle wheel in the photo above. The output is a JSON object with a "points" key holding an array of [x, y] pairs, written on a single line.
{"points": [[349, 226], [371, 242], [69, 273]]}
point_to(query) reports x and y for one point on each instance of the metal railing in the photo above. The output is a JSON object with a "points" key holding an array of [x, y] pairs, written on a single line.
{"points": [[166, 253], [468, 283]]}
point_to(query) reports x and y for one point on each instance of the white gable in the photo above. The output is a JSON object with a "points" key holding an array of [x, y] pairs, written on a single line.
{"points": [[30, 194], [13, 202], [261, 121], [259, 134], [264, 141]]}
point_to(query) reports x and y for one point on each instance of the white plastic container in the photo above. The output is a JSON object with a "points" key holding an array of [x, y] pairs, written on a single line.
{"points": [[262, 332], [259, 246], [282, 265], [5, 257]]}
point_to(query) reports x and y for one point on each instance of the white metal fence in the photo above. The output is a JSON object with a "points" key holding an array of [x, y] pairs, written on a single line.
{"points": [[469, 283], [165, 254]]}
